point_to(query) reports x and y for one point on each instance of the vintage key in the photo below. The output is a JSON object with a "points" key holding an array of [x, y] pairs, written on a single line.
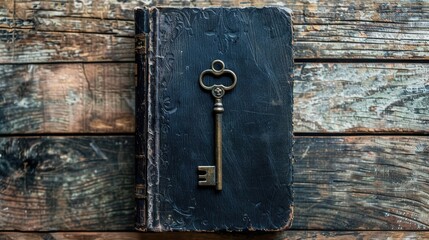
{"points": [[213, 174]]}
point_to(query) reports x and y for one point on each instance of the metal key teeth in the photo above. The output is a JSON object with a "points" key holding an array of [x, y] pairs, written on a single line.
{"points": [[207, 179]]}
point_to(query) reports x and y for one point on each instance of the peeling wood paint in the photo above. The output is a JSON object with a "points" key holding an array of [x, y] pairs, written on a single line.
{"points": [[364, 97]]}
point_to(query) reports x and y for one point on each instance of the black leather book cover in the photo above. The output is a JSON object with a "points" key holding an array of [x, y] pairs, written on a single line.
{"points": [[214, 86]]}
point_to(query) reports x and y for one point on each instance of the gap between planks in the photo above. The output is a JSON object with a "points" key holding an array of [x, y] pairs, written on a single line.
{"points": [[295, 134], [296, 60], [67, 62], [284, 235]]}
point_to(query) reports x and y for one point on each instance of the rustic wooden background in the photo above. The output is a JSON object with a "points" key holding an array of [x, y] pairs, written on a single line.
{"points": [[361, 119]]}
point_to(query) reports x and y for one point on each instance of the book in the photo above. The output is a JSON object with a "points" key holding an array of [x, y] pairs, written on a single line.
{"points": [[214, 119]]}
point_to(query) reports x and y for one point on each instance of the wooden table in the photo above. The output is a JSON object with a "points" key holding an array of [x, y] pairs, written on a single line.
{"points": [[361, 118]]}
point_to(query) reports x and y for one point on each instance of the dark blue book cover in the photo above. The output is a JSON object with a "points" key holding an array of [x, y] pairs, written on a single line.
{"points": [[214, 119]]}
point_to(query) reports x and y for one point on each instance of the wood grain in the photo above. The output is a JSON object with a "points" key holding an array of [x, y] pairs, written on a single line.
{"points": [[30, 46], [328, 97], [79, 31], [66, 183], [355, 183], [291, 235], [66, 98], [340, 183], [361, 97], [78, 183]]}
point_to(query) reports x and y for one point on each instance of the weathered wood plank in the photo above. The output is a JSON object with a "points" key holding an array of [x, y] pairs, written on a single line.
{"points": [[381, 29], [6, 15], [336, 40], [9, 19], [67, 98], [117, 28], [67, 183], [364, 97], [371, 183], [31, 46], [340, 183], [291, 235], [329, 97], [321, 11]]}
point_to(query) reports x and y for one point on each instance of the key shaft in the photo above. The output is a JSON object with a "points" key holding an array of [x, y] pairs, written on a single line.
{"points": [[218, 110]]}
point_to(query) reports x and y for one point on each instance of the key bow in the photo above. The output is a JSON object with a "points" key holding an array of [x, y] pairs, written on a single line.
{"points": [[218, 90]]}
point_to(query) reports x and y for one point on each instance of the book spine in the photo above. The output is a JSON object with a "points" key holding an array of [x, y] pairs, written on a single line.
{"points": [[153, 127], [141, 89]]}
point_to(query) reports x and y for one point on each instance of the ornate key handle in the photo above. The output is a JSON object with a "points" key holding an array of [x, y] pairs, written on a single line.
{"points": [[218, 90], [213, 174]]}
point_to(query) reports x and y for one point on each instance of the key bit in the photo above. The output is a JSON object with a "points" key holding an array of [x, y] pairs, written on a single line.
{"points": [[209, 177]]}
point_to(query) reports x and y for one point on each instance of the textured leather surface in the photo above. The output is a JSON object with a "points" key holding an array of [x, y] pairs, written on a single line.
{"points": [[255, 43]]}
